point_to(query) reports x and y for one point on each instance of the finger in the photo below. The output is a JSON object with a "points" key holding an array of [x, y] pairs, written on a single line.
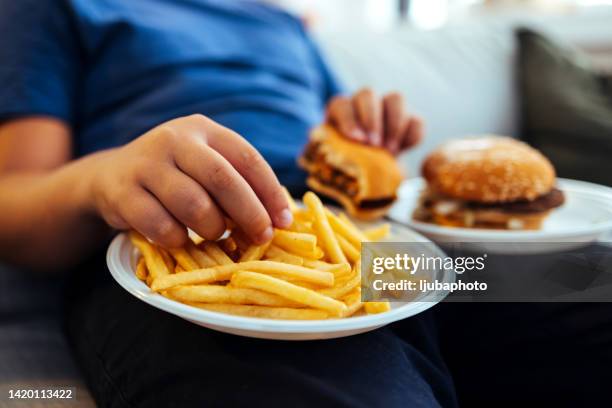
{"points": [[252, 166], [146, 215], [111, 217], [413, 133], [393, 107], [186, 200], [341, 115], [369, 115], [227, 187], [248, 162]]}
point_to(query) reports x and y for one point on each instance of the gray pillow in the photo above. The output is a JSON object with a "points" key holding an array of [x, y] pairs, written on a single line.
{"points": [[566, 108]]}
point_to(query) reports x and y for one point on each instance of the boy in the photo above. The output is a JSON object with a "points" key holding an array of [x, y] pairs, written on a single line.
{"points": [[158, 115]]}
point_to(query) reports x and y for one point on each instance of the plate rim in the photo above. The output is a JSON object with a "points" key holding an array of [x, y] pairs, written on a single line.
{"points": [[199, 316], [596, 191]]}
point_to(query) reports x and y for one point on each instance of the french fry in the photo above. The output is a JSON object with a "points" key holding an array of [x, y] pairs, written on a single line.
{"points": [[255, 252], [353, 303], [295, 281], [153, 259], [170, 264], [264, 312], [376, 307], [242, 241], [378, 233], [338, 270], [305, 227], [328, 238], [343, 288], [178, 269], [302, 215], [349, 250], [297, 243], [194, 237], [141, 270], [195, 277], [254, 280], [231, 248], [216, 253], [343, 226], [224, 272], [202, 258], [318, 254], [228, 245], [182, 257], [281, 255], [346, 219], [227, 294]]}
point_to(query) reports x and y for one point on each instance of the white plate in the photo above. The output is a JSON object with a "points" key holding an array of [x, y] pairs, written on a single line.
{"points": [[585, 217], [121, 258]]}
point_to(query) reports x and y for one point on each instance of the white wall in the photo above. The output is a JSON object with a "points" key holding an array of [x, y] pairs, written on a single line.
{"points": [[461, 79]]}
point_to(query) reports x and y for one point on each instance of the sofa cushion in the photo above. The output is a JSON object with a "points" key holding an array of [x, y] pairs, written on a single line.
{"points": [[33, 350], [566, 108], [458, 80]]}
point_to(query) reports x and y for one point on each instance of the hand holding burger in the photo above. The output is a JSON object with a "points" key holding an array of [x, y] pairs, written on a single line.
{"points": [[350, 158], [380, 122]]}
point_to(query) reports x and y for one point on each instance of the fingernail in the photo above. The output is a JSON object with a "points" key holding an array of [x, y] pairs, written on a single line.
{"points": [[393, 147], [358, 134], [265, 236], [375, 138], [285, 218]]}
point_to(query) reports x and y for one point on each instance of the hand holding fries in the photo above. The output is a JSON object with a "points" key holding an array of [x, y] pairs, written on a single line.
{"points": [[189, 172], [309, 271]]}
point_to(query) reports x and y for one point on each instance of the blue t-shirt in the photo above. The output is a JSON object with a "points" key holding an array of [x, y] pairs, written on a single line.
{"points": [[113, 69]]}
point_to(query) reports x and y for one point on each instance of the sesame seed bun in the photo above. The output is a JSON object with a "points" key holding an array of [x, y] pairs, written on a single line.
{"points": [[489, 169]]}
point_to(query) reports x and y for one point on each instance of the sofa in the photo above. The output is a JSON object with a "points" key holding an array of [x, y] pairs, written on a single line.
{"points": [[461, 79]]}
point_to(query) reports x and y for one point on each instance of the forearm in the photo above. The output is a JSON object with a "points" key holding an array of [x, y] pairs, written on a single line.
{"points": [[47, 220]]}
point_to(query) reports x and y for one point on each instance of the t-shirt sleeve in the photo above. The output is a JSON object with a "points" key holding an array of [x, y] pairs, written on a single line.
{"points": [[39, 59]]}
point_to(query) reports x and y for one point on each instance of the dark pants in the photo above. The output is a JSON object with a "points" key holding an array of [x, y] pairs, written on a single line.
{"points": [[528, 354], [514, 355], [135, 355], [535, 354]]}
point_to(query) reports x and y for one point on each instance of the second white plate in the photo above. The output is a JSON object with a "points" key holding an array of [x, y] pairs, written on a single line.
{"points": [[585, 217]]}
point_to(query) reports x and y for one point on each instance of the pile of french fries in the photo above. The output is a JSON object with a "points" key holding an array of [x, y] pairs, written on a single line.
{"points": [[309, 271]]}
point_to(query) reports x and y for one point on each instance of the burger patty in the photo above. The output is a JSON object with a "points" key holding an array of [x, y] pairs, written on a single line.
{"points": [[333, 177], [311, 151], [375, 203], [327, 174], [553, 199]]}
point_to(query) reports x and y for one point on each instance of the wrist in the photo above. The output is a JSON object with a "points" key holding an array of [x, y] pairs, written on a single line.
{"points": [[82, 177]]}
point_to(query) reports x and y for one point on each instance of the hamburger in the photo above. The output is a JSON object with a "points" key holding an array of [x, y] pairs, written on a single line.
{"points": [[488, 182], [363, 179]]}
